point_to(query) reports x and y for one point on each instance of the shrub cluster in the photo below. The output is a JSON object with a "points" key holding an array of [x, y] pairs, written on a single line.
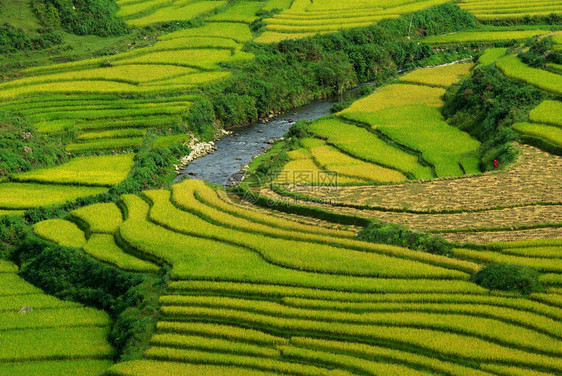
{"points": [[401, 236], [540, 53], [13, 39], [23, 148], [485, 105], [81, 17], [508, 277]]}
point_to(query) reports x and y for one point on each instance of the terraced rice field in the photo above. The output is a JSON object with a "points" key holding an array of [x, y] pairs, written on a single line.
{"points": [[56, 337], [304, 17], [487, 10], [387, 136], [112, 100], [522, 202], [241, 304], [485, 37]]}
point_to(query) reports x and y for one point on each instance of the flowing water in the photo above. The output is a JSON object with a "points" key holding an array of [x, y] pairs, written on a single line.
{"points": [[237, 150]]}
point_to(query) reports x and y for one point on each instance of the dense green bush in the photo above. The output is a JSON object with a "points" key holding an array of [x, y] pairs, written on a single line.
{"points": [[13, 40], [540, 53], [82, 17], [508, 277], [23, 148], [485, 105], [403, 237]]}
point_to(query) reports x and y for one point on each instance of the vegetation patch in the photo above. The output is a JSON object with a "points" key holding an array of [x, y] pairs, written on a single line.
{"points": [[508, 277]]}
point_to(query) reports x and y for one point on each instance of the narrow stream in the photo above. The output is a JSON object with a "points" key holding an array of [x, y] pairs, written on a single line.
{"points": [[237, 150]]}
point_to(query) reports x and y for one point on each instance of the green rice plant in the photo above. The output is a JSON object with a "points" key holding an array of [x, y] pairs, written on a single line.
{"points": [[306, 171], [57, 367], [552, 134], [354, 293], [366, 145], [397, 95], [171, 140], [377, 352], [98, 170], [498, 369], [103, 247], [236, 31], [548, 112], [551, 279], [554, 68], [184, 195], [541, 264], [161, 368], [514, 68], [54, 318], [546, 251], [484, 322], [131, 143], [275, 37], [39, 301], [482, 37], [12, 285], [198, 58], [332, 159], [163, 211], [119, 133], [56, 343], [119, 113], [443, 76], [553, 298], [225, 332], [28, 195], [407, 331], [277, 4], [101, 218], [7, 267], [521, 318], [265, 364], [181, 43], [197, 343], [525, 243], [170, 14], [61, 232], [17, 213], [201, 78], [128, 10], [130, 74], [424, 129], [243, 11], [211, 198], [195, 257], [491, 55], [370, 367]]}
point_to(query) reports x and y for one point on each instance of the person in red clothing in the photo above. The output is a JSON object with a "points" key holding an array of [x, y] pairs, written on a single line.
{"points": [[495, 164]]}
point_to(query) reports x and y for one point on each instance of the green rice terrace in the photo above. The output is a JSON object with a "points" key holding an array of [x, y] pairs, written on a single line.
{"points": [[415, 228]]}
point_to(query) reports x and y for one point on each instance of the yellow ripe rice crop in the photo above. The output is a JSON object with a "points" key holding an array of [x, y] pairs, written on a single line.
{"points": [[131, 143], [482, 36], [54, 318], [163, 368], [61, 231], [28, 195], [172, 13], [514, 68], [549, 133], [243, 11], [57, 367], [58, 343], [204, 343], [397, 96], [236, 31], [103, 247], [101, 218], [98, 170], [443, 76], [548, 112], [491, 55]]}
